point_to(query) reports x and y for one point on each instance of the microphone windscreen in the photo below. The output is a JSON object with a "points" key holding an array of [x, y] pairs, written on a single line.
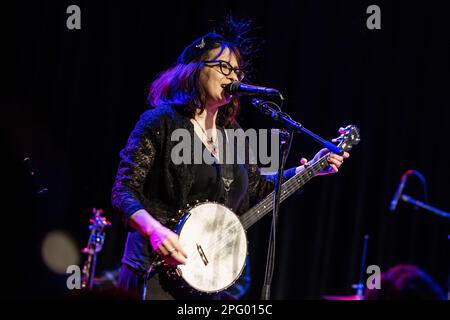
{"points": [[232, 87]]}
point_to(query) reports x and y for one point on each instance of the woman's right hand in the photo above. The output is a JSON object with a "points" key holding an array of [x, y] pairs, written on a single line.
{"points": [[165, 243]]}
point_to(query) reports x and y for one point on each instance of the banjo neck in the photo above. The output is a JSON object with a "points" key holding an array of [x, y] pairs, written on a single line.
{"points": [[287, 189]]}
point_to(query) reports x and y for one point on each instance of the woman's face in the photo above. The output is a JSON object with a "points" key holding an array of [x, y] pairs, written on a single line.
{"points": [[213, 80]]}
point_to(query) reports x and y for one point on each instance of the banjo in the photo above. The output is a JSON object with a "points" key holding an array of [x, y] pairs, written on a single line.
{"points": [[214, 237]]}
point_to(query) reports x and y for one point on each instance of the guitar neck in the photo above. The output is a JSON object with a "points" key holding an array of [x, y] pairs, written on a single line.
{"points": [[287, 189]]}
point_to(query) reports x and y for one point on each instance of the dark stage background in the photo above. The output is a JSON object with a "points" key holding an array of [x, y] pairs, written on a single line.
{"points": [[71, 98]]}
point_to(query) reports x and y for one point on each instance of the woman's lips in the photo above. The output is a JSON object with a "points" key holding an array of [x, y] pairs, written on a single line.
{"points": [[227, 95]]}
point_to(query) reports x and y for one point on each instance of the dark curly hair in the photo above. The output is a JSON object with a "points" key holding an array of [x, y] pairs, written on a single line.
{"points": [[180, 86]]}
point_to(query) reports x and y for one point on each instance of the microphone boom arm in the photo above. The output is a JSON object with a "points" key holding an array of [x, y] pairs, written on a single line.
{"points": [[425, 206], [292, 125]]}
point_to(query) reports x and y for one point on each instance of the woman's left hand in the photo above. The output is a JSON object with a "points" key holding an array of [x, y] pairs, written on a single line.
{"points": [[334, 160]]}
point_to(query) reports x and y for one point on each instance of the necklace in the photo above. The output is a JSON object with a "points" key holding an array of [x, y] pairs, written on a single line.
{"points": [[210, 140]]}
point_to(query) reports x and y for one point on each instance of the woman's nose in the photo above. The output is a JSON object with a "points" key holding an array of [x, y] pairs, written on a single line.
{"points": [[233, 76]]}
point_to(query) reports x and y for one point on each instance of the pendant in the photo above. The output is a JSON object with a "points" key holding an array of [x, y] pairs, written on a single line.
{"points": [[214, 146]]}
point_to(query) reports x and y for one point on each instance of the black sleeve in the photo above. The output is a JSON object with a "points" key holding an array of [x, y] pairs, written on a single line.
{"points": [[137, 159]]}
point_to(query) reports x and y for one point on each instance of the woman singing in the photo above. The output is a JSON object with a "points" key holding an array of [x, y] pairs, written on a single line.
{"points": [[150, 188]]}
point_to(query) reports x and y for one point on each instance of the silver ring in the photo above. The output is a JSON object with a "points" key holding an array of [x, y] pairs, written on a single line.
{"points": [[171, 250]]}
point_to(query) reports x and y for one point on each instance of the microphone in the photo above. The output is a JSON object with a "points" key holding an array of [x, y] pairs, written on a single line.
{"points": [[237, 87], [399, 191]]}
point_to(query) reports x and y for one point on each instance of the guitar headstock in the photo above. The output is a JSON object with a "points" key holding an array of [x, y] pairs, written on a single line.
{"points": [[98, 222], [349, 137], [97, 236]]}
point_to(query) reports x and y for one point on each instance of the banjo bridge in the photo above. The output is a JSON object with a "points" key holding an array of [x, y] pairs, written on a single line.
{"points": [[202, 254]]}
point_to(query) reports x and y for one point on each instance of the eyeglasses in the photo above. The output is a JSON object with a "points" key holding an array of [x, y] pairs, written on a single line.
{"points": [[226, 68]]}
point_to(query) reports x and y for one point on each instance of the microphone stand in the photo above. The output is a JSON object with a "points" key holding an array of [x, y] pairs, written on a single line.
{"points": [[408, 199], [285, 146], [292, 126], [360, 285], [417, 203]]}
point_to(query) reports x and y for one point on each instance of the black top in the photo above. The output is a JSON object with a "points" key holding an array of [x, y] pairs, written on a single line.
{"points": [[209, 184]]}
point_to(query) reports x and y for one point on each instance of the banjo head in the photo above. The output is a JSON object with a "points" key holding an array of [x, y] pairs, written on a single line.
{"points": [[216, 244]]}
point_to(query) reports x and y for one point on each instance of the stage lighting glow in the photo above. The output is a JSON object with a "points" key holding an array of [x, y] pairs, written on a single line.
{"points": [[59, 250]]}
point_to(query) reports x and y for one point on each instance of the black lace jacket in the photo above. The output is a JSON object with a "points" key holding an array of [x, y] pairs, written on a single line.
{"points": [[148, 179]]}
